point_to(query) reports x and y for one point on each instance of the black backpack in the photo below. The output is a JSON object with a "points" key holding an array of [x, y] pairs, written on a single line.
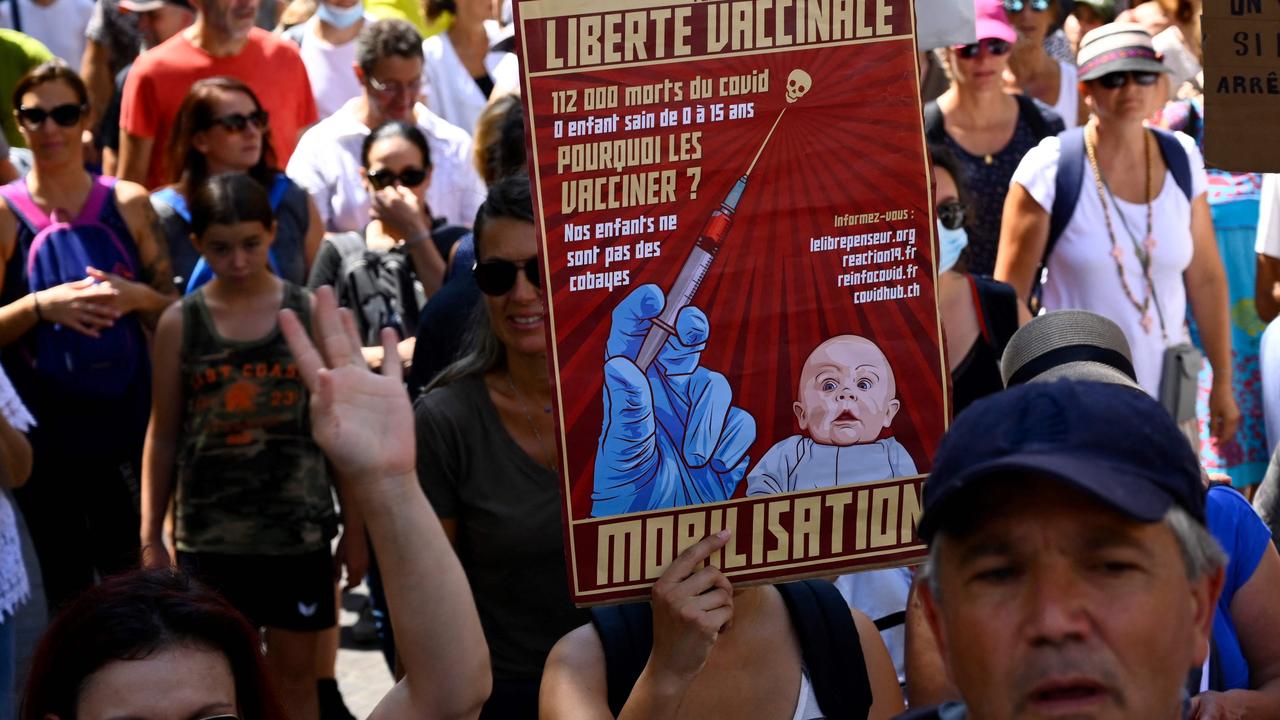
{"points": [[829, 646], [371, 284]]}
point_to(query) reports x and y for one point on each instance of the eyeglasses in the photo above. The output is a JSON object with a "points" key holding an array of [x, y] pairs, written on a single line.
{"points": [[408, 177], [238, 122], [64, 115], [951, 214], [1017, 6], [392, 88], [995, 46], [497, 277], [1114, 80]]}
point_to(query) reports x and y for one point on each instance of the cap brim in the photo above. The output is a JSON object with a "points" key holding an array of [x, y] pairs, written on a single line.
{"points": [[1086, 371], [143, 6], [1126, 65], [1118, 489]]}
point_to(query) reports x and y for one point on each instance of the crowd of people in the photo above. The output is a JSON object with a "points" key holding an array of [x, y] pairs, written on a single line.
{"points": [[271, 316]]}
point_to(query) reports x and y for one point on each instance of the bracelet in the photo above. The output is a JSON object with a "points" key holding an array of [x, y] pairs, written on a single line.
{"points": [[35, 299]]}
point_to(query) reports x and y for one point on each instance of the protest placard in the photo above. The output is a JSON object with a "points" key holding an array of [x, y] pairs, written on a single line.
{"points": [[735, 228], [1241, 84]]}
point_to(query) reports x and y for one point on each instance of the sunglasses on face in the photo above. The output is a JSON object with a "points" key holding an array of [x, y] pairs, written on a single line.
{"points": [[497, 277], [951, 214], [392, 88], [1017, 6], [1114, 80], [408, 177], [238, 122], [994, 46], [64, 115]]}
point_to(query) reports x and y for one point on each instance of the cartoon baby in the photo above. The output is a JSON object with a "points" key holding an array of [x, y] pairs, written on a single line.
{"points": [[847, 396]]}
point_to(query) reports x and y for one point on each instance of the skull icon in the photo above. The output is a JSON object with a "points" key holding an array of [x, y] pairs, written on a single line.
{"points": [[798, 84]]}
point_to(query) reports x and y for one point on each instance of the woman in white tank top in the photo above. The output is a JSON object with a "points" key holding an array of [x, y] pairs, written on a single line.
{"points": [[1031, 70]]}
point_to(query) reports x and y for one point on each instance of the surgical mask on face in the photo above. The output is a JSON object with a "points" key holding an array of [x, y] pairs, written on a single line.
{"points": [[341, 18], [950, 243]]}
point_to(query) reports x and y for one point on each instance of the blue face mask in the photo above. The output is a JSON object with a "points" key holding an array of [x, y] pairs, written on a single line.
{"points": [[950, 243], [341, 18]]}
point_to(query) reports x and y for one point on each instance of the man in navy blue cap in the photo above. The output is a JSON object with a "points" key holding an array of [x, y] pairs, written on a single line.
{"points": [[1070, 573]]}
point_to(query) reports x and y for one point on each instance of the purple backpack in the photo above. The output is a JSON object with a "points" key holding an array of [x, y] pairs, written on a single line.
{"points": [[59, 253]]}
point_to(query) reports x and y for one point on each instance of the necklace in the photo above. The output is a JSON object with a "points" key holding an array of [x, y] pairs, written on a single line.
{"points": [[1142, 251], [548, 458]]}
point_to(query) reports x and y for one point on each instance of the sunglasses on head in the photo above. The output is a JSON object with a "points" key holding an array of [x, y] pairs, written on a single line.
{"points": [[497, 277], [1017, 6], [238, 122], [1114, 80], [64, 115], [994, 46], [408, 177], [951, 214]]}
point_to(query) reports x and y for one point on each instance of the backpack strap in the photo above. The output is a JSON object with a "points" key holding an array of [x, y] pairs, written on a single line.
{"points": [[99, 194], [997, 306], [830, 646], [1027, 109], [276, 192], [1175, 156], [17, 15], [171, 197], [1066, 187], [18, 195], [934, 129], [626, 633]]}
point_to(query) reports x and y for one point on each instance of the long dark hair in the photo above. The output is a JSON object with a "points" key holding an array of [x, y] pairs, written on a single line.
{"points": [[187, 165], [396, 129], [132, 616]]}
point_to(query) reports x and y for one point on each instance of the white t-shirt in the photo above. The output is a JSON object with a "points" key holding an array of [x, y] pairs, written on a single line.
{"points": [[1269, 218], [1082, 271], [326, 164], [14, 585], [450, 90], [330, 68], [60, 25], [1068, 105]]}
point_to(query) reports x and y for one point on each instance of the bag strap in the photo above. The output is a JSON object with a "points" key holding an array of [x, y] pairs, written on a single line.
{"points": [[19, 198], [276, 192], [171, 197], [1035, 120], [830, 646], [934, 129], [101, 191], [17, 15], [626, 634], [1066, 187], [997, 304], [1175, 157]]}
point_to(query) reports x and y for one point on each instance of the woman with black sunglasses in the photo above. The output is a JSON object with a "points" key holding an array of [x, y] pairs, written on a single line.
{"points": [[979, 314], [409, 245], [91, 393], [1130, 235], [221, 127], [1032, 71], [487, 457], [986, 129]]}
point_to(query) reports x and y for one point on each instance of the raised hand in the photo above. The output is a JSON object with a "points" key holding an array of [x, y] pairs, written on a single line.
{"points": [[671, 436], [691, 607], [361, 420]]}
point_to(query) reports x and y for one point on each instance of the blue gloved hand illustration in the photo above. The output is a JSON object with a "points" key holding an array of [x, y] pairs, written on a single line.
{"points": [[671, 436]]}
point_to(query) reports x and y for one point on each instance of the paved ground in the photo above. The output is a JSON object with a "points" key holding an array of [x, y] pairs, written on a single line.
{"points": [[362, 674]]}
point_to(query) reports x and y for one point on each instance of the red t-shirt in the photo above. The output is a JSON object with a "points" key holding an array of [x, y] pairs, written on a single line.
{"points": [[161, 77]]}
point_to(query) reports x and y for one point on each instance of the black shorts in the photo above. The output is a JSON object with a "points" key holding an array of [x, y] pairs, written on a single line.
{"points": [[290, 592]]}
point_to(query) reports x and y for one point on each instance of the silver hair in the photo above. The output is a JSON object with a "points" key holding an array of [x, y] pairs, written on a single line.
{"points": [[1201, 553]]}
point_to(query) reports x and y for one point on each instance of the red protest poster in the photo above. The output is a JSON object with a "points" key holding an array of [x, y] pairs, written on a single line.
{"points": [[736, 238]]}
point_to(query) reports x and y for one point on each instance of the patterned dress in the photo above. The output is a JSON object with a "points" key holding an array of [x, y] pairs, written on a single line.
{"points": [[1233, 199]]}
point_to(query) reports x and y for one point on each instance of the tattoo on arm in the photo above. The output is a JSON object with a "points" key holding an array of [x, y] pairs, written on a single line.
{"points": [[158, 270]]}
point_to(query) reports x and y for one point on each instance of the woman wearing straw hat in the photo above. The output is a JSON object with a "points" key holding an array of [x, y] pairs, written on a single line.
{"points": [[1117, 215]]}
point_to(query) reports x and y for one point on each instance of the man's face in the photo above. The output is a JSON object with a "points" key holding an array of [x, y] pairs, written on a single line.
{"points": [[847, 392], [394, 86], [1056, 606], [163, 23], [235, 18]]}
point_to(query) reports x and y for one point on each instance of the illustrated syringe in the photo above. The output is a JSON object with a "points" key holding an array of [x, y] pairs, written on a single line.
{"points": [[710, 240]]}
